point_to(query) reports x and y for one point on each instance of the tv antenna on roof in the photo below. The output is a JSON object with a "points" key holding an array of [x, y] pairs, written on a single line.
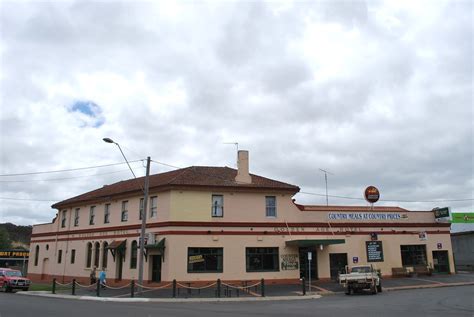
{"points": [[326, 178], [237, 148]]}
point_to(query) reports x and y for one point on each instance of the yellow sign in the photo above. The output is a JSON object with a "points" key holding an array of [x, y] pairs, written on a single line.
{"points": [[14, 254], [195, 259]]}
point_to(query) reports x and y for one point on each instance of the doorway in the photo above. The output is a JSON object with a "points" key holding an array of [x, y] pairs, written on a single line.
{"points": [[120, 259], [45, 269], [304, 263], [337, 264], [156, 268], [441, 261]]}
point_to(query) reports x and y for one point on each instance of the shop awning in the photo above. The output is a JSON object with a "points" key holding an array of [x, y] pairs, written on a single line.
{"points": [[314, 242], [117, 246], [160, 246]]}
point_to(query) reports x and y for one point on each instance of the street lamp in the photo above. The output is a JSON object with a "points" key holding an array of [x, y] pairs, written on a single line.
{"points": [[145, 206]]}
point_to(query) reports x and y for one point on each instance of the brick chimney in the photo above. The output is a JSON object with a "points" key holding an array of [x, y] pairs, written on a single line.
{"points": [[243, 175]]}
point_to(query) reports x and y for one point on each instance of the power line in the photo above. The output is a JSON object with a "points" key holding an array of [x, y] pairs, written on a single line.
{"points": [[66, 170], [64, 178], [27, 199], [394, 200], [165, 164]]}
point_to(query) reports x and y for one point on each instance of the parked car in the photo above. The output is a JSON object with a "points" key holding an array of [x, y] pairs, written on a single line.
{"points": [[13, 279], [362, 277]]}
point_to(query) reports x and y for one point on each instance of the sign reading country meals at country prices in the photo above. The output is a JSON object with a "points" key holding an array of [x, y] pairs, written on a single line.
{"points": [[366, 216]]}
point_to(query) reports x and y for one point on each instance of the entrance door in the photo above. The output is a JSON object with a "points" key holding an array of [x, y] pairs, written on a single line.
{"points": [[120, 257], [156, 268], [304, 263], [337, 264], [45, 269], [441, 261]]}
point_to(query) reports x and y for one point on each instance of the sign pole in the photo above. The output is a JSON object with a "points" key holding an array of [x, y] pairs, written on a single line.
{"points": [[309, 270]]}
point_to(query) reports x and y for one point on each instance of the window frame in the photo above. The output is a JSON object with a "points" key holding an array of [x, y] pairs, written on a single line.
{"points": [[269, 206], [60, 256], [92, 215], [63, 218], [275, 257], [153, 208], [73, 256], [214, 206], [201, 251], [76, 217], [89, 255], [107, 213], [422, 253], [124, 213]]}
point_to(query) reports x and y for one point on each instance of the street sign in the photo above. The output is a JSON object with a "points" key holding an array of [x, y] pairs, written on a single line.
{"points": [[371, 194], [355, 259], [310, 256], [462, 217], [441, 212], [439, 246]]}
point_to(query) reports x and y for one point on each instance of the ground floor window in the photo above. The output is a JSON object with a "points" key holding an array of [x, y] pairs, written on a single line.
{"points": [[262, 259], [413, 255], [205, 260]]}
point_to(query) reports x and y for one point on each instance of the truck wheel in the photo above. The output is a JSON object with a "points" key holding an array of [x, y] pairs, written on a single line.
{"points": [[6, 288], [379, 288]]}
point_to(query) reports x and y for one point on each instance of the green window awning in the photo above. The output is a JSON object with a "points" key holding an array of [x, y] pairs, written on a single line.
{"points": [[314, 242], [117, 245], [156, 246]]}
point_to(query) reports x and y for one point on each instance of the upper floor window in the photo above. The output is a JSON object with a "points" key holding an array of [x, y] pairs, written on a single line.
{"points": [[153, 206], [92, 215], [142, 206], [76, 217], [63, 218], [124, 210], [60, 256], [106, 213], [270, 206], [73, 256], [217, 206]]}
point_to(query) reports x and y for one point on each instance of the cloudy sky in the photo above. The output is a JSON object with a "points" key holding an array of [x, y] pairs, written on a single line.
{"points": [[378, 93]]}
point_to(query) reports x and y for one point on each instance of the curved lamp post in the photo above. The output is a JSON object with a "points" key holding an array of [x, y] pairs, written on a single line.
{"points": [[144, 215]]}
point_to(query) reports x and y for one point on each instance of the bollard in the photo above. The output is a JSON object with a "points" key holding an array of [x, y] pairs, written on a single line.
{"points": [[132, 289], [189, 289], [54, 286], [263, 287], [97, 288], [74, 286], [174, 288], [303, 286], [219, 287]]}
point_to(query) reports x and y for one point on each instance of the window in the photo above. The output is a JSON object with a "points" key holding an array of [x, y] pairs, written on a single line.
{"points": [[76, 217], [37, 251], [142, 205], [63, 219], [133, 255], [217, 206], [270, 206], [153, 206], [92, 215], [60, 256], [413, 255], [106, 213], [205, 260], [262, 259], [96, 254], [104, 254], [89, 255], [124, 210], [73, 256]]}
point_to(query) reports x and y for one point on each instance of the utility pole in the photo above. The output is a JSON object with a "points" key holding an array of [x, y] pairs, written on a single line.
{"points": [[143, 227], [326, 179]]}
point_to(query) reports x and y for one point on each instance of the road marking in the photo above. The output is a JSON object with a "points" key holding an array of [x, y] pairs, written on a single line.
{"points": [[320, 288], [431, 281]]}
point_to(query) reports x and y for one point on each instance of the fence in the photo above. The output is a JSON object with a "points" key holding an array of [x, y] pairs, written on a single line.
{"points": [[174, 289]]}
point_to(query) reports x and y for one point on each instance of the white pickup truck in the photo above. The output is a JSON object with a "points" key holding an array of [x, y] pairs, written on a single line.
{"points": [[362, 277]]}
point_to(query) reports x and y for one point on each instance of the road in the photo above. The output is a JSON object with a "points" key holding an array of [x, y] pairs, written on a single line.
{"points": [[448, 301]]}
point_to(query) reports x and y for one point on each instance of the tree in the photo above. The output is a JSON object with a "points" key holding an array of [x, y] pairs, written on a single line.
{"points": [[5, 242]]}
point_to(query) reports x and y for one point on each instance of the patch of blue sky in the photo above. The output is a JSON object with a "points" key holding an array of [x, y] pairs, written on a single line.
{"points": [[89, 111]]}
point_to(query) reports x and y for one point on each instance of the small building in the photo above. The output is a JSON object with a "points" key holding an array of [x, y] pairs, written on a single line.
{"points": [[463, 250], [205, 223]]}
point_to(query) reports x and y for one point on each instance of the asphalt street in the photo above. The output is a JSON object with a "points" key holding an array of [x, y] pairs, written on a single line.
{"points": [[448, 301]]}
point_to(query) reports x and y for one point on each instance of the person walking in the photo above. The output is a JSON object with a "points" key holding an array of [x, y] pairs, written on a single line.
{"points": [[93, 276], [102, 280]]}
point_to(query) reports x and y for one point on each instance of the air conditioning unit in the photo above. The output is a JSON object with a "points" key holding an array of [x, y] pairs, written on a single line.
{"points": [[150, 238]]}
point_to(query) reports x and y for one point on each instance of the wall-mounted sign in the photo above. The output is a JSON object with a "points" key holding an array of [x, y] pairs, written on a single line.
{"points": [[373, 236], [441, 212], [355, 259], [371, 194], [289, 262], [462, 217], [366, 216], [14, 254], [423, 236], [374, 251], [439, 246], [310, 256]]}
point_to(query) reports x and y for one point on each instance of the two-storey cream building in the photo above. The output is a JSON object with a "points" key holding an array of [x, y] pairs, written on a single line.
{"points": [[205, 223]]}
